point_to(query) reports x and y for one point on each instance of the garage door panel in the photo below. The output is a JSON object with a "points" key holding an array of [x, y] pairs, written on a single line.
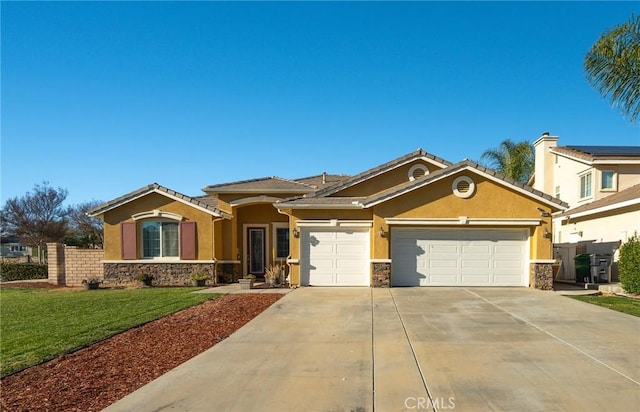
{"points": [[334, 257], [475, 263], [460, 257], [442, 263], [482, 249]]}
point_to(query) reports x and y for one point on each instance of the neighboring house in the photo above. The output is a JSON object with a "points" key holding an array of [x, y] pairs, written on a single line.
{"points": [[601, 184], [10, 247], [416, 220]]}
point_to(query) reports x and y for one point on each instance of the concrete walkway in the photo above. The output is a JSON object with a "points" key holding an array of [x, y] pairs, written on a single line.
{"points": [[362, 349]]}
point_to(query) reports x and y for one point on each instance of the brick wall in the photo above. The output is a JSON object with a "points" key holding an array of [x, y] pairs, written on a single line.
{"points": [[69, 265]]}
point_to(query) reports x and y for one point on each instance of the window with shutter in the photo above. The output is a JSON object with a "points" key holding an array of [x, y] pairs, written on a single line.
{"points": [[128, 238], [188, 244]]}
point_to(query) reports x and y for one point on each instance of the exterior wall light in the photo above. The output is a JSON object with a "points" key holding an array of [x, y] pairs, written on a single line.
{"points": [[382, 232], [296, 232]]}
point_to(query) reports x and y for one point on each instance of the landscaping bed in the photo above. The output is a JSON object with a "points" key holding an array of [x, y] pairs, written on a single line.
{"points": [[97, 376]]}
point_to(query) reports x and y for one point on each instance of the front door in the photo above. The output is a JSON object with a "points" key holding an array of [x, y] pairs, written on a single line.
{"points": [[257, 250]]}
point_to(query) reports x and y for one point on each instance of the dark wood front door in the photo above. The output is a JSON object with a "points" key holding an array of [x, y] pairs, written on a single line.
{"points": [[257, 250]]}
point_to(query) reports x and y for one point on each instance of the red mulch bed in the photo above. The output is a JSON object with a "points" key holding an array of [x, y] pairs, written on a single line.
{"points": [[97, 376]]}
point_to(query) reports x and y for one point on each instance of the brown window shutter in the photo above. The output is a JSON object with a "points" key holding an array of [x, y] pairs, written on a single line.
{"points": [[128, 233], [187, 240]]}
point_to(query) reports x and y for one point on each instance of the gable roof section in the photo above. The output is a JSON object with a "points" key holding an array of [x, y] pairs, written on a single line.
{"points": [[378, 170], [600, 154], [474, 168], [271, 184], [624, 198], [199, 203], [367, 202]]}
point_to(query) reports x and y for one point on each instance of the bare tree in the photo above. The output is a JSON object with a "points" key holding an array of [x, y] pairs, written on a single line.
{"points": [[37, 217], [86, 228]]}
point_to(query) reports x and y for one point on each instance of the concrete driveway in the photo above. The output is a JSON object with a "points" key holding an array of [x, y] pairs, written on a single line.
{"points": [[361, 349]]}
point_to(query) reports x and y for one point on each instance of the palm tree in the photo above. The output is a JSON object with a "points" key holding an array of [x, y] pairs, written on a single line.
{"points": [[612, 66], [514, 160]]}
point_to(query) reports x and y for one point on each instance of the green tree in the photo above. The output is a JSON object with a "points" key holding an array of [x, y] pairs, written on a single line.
{"points": [[37, 217], [629, 265], [612, 66], [514, 160]]}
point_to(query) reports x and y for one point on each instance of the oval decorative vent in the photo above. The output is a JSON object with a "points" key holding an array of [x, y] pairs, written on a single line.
{"points": [[463, 187], [417, 171]]}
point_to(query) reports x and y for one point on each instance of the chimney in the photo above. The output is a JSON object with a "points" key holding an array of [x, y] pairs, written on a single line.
{"points": [[324, 178], [544, 163]]}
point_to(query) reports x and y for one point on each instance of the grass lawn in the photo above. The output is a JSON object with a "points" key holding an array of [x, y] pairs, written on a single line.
{"points": [[38, 324], [619, 303]]}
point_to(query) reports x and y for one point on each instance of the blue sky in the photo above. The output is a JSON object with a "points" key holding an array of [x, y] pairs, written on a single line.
{"points": [[104, 98]]}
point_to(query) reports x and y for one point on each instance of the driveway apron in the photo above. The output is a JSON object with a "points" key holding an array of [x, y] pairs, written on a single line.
{"points": [[412, 349]]}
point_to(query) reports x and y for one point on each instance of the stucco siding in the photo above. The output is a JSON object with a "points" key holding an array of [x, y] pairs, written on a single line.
{"points": [[384, 181], [150, 202], [612, 226]]}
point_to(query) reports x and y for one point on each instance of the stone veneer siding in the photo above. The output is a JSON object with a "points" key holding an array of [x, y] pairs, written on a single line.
{"points": [[164, 274], [381, 275], [541, 276], [228, 272]]}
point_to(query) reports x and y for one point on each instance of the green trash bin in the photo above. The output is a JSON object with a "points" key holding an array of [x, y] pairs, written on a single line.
{"points": [[583, 267]]}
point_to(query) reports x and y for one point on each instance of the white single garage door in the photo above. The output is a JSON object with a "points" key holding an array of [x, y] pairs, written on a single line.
{"points": [[334, 257], [459, 257]]}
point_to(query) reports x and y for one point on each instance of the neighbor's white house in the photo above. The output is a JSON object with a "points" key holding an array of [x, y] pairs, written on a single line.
{"points": [[601, 184]]}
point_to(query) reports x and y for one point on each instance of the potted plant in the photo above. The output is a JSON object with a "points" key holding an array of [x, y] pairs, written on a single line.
{"points": [[91, 283], [145, 279], [247, 282], [198, 277]]}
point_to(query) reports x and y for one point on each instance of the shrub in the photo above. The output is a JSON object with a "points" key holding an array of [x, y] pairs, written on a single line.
{"points": [[629, 265], [22, 271]]}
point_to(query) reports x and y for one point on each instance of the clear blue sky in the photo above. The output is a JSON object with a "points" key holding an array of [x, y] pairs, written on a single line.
{"points": [[103, 98]]}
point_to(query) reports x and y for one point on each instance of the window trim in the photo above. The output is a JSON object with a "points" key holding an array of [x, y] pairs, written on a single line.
{"points": [[580, 177], [614, 179], [274, 235], [141, 245]]}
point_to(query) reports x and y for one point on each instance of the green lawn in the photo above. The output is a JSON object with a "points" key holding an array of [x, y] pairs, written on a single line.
{"points": [[621, 304], [38, 324]]}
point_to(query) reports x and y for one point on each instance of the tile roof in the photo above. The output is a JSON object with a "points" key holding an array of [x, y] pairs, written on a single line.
{"points": [[626, 195], [337, 202], [317, 181], [201, 203], [271, 184], [367, 174]]}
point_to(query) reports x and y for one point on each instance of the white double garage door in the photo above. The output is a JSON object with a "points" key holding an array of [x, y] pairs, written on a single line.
{"points": [[420, 257]]}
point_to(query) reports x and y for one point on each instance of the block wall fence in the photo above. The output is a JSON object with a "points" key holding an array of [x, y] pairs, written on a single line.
{"points": [[69, 265]]}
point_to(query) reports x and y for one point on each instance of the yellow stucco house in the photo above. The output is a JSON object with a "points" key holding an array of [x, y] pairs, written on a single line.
{"points": [[417, 220]]}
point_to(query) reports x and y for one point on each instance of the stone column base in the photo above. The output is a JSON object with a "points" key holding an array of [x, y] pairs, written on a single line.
{"points": [[541, 276], [381, 275]]}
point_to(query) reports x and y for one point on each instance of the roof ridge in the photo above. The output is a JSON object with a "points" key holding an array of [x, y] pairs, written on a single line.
{"points": [[257, 179], [377, 170], [284, 179]]}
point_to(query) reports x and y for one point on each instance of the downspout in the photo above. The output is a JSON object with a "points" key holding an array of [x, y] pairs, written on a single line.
{"points": [[213, 249], [288, 260]]}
